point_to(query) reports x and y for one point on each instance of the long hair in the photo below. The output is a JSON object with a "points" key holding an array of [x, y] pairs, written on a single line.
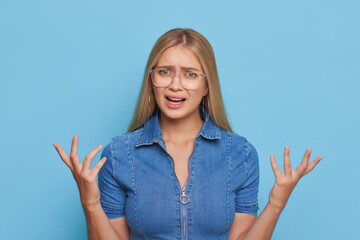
{"points": [[213, 103]]}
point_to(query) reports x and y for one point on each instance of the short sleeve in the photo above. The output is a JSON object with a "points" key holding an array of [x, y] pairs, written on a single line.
{"points": [[112, 196], [246, 200]]}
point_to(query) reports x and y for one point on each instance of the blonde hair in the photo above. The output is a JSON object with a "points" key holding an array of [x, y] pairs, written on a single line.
{"points": [[213, 103]]}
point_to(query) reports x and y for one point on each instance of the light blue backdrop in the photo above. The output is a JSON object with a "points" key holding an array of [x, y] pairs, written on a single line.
{"points": [[289, 73]]}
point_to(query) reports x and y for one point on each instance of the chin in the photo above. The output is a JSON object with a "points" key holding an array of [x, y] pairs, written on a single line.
{"points": [[178, 113], [173, 114]]}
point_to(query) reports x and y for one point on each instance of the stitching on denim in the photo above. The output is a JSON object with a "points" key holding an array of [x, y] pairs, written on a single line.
{"points": [[247, 157], [137, 142], [144, 143], [209, 137], [191, 179], [247, 148], [112, 157], [176, 191], [246, 168], [229, 142], [116, 206], [133, 181], [251, 204]]}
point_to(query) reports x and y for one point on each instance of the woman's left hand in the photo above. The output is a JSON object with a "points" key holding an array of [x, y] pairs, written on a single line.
{"points": [[285, 182]]}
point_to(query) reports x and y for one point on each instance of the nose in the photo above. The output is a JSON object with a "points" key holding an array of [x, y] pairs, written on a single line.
{"points": [[175, 83]]}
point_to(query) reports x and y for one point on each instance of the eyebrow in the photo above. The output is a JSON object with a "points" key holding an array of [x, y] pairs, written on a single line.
{"points": [[184, 68]]}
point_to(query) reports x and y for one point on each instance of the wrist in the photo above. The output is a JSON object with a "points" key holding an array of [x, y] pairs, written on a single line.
{"points": [[91, 207], [276, 209]]}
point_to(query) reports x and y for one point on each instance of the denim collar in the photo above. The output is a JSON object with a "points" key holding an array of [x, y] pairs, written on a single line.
{"points": [[152, 132]]}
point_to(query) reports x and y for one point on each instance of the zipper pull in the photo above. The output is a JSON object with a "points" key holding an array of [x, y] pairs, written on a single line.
{"points": [[184, 199]]}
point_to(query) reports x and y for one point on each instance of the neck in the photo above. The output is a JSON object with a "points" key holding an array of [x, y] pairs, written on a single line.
{"points": [[180, 130]]}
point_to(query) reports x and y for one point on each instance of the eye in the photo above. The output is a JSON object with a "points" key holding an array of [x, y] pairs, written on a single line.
{"points": [[164, 72], [191, 74]]}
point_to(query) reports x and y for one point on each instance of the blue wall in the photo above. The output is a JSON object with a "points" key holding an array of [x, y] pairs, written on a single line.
{"points": [[289, 73]]}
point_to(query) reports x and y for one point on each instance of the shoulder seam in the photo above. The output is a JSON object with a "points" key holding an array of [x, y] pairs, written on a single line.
{"points": [[112, 157]]}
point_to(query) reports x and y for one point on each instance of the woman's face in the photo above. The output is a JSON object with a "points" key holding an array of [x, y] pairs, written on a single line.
{"points": [[179, 57]]}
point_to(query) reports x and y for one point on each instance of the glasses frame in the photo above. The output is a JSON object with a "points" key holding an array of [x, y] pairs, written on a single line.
{"points": [[152, 70]]}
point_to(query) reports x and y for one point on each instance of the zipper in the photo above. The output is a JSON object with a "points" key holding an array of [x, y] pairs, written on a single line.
{"points": [[184, 199]]}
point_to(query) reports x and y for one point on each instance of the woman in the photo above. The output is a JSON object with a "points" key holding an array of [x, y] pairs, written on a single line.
{"points": [[180, 172]]}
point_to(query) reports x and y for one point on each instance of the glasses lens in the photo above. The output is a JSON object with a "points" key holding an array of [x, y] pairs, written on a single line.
{"points": [[161, 77], [190, 80]]}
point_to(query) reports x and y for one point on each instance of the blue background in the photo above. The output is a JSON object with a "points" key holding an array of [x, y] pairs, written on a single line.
{"points": [[289, 73]]}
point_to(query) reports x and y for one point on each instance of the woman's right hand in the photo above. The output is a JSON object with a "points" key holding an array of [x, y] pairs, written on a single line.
{"points": [[84, 176]]}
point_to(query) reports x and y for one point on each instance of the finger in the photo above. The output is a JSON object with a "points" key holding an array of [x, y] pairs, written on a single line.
{"points": [[97, 167], [312, 164], [89, 158], [304, 163], [306, 156], [74, 145], [274, 166], [63, 156], [74, 153], [287, 165]]}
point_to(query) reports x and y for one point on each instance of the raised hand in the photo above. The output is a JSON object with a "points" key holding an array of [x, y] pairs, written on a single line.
{"points": [[84, 176], [286, 182]]}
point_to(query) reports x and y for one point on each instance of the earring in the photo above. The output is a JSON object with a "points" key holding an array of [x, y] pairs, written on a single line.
{"points": [[149, 106], [203, 108]]}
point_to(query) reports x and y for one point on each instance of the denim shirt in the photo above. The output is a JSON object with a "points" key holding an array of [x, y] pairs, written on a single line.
{"points": [[138, 181]]}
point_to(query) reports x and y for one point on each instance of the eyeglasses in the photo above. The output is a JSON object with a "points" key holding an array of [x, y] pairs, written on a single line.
{"points": [[163, 77]]}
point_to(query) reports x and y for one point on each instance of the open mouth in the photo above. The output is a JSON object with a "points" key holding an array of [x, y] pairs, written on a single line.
{"points": [[175, 100]]}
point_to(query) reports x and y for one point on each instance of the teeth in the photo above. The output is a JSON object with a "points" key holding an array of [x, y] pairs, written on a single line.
{"points": [[175, 99], [176, 103]]}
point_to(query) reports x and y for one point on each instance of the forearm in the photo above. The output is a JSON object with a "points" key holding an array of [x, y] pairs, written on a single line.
{"points": [[264, 226], [98, 224]]}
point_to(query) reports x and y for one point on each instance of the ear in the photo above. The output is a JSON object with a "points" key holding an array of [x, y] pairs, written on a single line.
{"points": [[206, 92]]}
